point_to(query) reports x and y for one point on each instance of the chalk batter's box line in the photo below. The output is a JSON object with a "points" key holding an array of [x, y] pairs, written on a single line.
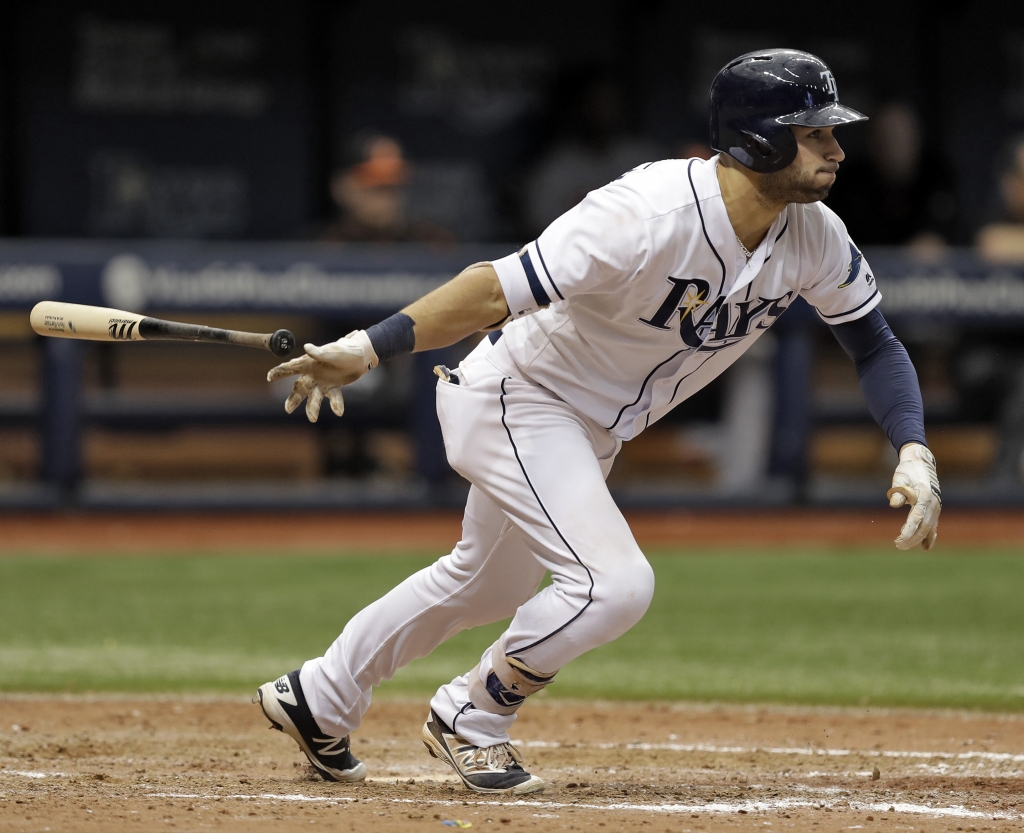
{"points": [[720, 808]]}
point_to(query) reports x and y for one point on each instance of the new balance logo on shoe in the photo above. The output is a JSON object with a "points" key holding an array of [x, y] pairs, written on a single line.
{"points": [[332, 746], [285, 706], [491, 769]]}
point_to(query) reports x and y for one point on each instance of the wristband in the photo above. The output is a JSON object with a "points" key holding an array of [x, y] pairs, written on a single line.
{"points": [[393, 336]]}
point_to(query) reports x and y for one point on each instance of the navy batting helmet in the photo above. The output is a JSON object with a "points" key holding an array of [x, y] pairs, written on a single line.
{"points": [[756, 97]]}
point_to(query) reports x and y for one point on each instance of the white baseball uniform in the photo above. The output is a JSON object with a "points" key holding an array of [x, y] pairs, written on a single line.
{"points": [[626, 305]]}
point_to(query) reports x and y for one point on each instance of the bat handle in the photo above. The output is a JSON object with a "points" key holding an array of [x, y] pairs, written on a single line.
{"points": [[280, 343]]}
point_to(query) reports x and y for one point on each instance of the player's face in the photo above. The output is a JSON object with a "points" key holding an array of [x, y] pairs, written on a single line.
{"points": [[811, 174]]}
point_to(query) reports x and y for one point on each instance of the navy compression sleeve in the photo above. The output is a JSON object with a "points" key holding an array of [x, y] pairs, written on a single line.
{"points": [[887, 377]]}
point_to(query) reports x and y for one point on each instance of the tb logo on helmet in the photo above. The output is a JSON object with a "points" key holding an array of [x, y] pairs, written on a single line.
{"points": [[830, 84], [758, 97]]}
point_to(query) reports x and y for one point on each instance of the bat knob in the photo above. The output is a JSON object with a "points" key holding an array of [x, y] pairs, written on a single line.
{"points": [[282, 343]]}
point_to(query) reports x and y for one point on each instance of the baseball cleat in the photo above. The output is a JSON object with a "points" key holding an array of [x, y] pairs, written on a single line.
{"points": [[492, 769], [285, 706]]}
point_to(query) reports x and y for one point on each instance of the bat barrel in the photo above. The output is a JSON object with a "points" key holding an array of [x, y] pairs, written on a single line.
{"points": [[54, 318]]}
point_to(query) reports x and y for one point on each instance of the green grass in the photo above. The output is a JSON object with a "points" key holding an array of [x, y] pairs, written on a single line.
{"points": [[832, 628]]}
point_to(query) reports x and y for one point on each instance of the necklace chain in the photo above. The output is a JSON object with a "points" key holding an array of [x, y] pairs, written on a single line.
{"points": [[749, 254]]}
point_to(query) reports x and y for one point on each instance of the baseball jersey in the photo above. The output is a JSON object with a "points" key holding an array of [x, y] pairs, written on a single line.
{"points": [[640, 295]]}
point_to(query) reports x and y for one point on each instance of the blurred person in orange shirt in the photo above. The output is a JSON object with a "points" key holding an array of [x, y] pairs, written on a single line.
{"points": [[1002, 241], [372, 196]]}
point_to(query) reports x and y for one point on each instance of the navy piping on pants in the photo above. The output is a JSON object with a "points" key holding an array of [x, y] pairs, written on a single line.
{"points": [[590, 590], [461, 712]]}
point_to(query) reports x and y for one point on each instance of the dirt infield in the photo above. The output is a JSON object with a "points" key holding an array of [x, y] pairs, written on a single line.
{"points": [[145, 764], [308, 532], [73, 764]]}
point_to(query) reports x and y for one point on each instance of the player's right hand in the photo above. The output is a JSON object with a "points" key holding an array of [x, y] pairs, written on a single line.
{"points": [[323, 371], [915, 482]]}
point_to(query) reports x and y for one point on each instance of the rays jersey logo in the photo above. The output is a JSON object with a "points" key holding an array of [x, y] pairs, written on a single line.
{"points": [[856, 262], [709, 326]]}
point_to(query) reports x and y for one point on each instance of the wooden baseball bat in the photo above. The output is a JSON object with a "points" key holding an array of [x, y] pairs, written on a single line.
{"points": [[55, 318]]}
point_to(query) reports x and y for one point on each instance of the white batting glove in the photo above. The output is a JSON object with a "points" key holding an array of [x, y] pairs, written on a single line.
{"points": [[915, 482], [323, 371]]}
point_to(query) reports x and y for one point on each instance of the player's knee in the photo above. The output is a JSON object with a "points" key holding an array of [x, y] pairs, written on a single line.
{"points": [[625, 591]]}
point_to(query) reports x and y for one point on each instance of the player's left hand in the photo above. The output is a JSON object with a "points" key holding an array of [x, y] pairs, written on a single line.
{"points": [[916, 483], [323, 371]]}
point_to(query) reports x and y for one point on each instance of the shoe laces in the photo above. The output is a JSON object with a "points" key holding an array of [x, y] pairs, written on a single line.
{"points": [[500, 756]]}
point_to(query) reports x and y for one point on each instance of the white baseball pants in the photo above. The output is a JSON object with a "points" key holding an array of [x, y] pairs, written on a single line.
{"points": [[538, 503]]}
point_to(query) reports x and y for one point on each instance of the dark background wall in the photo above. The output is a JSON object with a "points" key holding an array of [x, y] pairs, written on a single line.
{"points": [[162, 119], [223, 120]]}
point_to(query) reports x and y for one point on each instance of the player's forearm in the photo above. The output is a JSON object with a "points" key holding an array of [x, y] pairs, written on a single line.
{"points": [[470, 302], [893, 395], [887, 377]]}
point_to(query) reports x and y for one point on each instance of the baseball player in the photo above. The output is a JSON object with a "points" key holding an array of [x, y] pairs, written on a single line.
{"points": [[626, 305]]}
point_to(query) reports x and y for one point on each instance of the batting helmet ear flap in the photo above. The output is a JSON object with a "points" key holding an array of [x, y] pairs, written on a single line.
{"points": [[758, 154]]}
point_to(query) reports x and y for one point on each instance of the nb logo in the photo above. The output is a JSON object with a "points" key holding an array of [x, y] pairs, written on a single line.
{"points": [[121, 330], [282, 685], [830, 84]]}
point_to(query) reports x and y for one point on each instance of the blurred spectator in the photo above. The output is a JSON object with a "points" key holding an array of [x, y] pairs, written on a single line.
{"points": [[903, 191], [1002, 241], [372, 196], [595, 150], [988, 369], [993, 369]]}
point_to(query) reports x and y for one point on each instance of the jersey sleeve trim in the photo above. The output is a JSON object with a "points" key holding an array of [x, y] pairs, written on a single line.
{"points": [[547, 272], [858, 311], [539, 295], [516, 284]]}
